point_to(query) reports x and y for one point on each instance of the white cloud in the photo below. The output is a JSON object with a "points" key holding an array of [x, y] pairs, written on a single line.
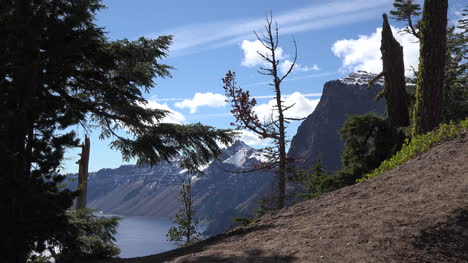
{"points": [[202, 100], [285, 65], [252, 139], [172, 117], [313, 17], [364, 52], [301, 109], [252, 58]]}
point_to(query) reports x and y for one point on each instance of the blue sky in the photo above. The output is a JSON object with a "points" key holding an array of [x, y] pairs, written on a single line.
{"points": [[211, 37]]}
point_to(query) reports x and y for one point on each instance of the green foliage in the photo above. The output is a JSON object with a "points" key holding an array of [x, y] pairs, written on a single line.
{"points": [[62, 72], [242, 220], [88, 237], [428, 108], [39, 259], [186, 232], [404, 10], [418, 145], [368, 141], [455, 86], [313, 182]]}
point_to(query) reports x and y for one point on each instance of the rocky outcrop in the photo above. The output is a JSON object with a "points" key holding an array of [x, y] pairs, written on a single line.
{"points": [[319, 132]]}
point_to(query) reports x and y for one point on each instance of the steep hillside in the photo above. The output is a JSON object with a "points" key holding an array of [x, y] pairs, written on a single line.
{"points": [[415, 213], [318, 133]]}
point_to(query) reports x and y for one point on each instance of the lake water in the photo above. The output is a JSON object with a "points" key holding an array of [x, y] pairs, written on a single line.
{"points": [[143, 236]]}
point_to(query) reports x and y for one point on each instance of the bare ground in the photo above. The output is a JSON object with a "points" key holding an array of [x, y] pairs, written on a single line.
{"points": [[415, 213]]}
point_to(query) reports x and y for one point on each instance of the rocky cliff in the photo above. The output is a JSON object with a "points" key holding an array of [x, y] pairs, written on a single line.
{"points": [[319, 133]]}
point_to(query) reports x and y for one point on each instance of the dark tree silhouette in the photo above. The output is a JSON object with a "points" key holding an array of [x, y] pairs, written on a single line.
{"points": [[394, 89], [58, 71], [427, 112]]}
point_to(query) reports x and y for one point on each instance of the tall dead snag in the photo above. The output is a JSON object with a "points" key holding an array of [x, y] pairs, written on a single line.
{"points": [[246, 118], [83, 165], [427, 112], [394, 72]]}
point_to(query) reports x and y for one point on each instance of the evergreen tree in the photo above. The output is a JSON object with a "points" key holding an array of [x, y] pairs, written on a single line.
{"points": [[311, 181], [246, 118], [455, 88], [404, 10], [88, 237], [186, 231], [368, 140], [59, 70], [427, 113]]}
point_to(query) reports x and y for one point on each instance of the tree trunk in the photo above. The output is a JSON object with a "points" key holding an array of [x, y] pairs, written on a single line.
{"points": [[394, 72], [83, 174], [16, 134], [427, 112], [282, 133]]}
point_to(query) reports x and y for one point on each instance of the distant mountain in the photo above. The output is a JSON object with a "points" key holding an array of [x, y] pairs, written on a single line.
{"points": [[319, 132], [153, 191], [219, 194]]}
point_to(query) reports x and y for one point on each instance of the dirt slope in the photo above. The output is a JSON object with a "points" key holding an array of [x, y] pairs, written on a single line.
{"points": [[415, 213]]}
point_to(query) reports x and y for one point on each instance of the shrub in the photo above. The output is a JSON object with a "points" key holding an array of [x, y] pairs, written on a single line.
{"points": [[418, 145]]}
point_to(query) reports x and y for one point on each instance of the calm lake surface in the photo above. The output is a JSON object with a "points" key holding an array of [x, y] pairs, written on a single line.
{"points": [[142, 236]]}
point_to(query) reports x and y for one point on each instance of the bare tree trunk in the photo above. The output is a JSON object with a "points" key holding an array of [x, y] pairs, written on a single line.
{"points": [[427, 112], [394, 72], [83, 174]]}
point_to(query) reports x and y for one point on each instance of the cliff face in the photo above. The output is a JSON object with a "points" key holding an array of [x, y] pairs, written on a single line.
{"points": [[319, 133]]}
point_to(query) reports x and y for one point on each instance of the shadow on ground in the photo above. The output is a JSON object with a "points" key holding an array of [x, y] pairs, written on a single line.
{"points": [[254, 255], [250, 256], [445, 240]]}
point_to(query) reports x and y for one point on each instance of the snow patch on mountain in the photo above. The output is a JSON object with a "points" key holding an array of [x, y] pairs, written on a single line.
{"points": [[239, 158], [259, 156], [361, 78]]}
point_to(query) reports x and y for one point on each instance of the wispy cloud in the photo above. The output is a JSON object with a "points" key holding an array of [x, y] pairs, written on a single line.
{"points": [[308, 76], [190, 38], [218, 97]]}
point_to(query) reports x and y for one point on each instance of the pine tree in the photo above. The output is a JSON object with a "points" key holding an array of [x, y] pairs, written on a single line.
{"points": [[427, 113], [404, 10], [455, 86], [246, 118], [186, 231], [311, 181], [59, 70]]}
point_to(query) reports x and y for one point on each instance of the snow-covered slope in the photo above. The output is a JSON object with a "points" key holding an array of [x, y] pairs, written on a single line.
{"points": [[360, 78]]}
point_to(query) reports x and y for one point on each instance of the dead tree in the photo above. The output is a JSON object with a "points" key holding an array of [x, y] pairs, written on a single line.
{"points": [[83, 165], [394, 89], [246, 118]]}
